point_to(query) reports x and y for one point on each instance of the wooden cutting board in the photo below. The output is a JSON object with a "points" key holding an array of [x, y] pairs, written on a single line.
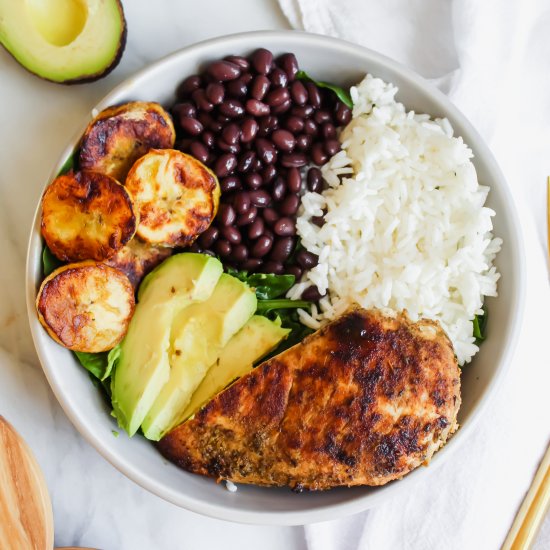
{"points": [[26, 519]]}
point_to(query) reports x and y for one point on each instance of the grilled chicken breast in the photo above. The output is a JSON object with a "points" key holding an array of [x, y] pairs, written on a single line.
{"points": [[363, 401]]}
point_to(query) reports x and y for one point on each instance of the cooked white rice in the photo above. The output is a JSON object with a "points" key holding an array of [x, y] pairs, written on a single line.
{"points": [[405, 226]]}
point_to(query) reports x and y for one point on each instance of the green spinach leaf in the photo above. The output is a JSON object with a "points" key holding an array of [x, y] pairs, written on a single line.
{"points": [[99, 364], [342, 94], [69, 164], [480, 323], [49, 261]]}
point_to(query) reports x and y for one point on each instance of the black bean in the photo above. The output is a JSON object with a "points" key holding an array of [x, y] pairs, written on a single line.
{"points": [[223, 70], [188, 86], [205, 118], [277, 97], [191, 126], [181, 110], [294, 270], [239, 253], [237, 88], [256, 228], [310, 128], [282, 108], [314, 180], [215, 126], [259, 87], [245, 161], [262, 246], [269, 233], [262, 61], [225, 165], [195, 247], [293, 160], [238, 60], [200, 99], [322, 116], [268, 173], [290, 205], [246, 78], [249, 129], [328, 130], [231, 183], [298, 92], [294, 180], [303, 111], [223, 248], [253, 180], [231, 133], [285, 227], [267, 125], [294, 124], [215, 93], [342, 114], [226, 214], [332, 146], [184, 144], [252, 264], [256, 108], [231, 108], [248, 218], [312, 294], [242, 203], [228, 148], [209, 236], [266, 151], [319, 221], [306, 259], [284, 140], [260, 198], [273, 267], [314, 96], [289, 64], [278, 77], [231, 234], [207, 138], [278, 190], [256, 165], [199, 151], [318, 154], [282, 249], [270, 216], [303, 142]]}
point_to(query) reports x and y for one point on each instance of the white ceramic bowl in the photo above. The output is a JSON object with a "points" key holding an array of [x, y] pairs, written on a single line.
{"points": [[343, 63]]}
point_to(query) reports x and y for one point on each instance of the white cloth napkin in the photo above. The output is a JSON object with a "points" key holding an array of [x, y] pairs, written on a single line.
{"points": [[492, 58]]}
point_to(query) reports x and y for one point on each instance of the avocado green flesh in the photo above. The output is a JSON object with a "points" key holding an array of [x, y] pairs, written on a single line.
{"points": [[199, 333], [255, 340], [143, 367], [64, 40]]}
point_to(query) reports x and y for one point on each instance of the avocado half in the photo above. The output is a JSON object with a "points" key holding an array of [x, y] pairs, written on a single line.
{"points": [[66, 41]]}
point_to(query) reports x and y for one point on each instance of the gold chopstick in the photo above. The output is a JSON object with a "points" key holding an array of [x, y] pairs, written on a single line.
{"points": [[533, 510]]}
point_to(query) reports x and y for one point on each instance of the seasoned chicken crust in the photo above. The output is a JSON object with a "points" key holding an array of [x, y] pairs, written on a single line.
{"points": [[363, 401]]}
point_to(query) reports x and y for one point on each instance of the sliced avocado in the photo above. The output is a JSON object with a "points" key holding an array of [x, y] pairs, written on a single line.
{"points": [[255, 340], [143, 366], [67, 41], [199, 333]]}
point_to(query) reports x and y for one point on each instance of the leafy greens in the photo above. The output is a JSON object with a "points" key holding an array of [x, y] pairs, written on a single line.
{"points": [[342, 94]]}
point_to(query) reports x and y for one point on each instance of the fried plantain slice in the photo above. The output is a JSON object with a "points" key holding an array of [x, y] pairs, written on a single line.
{"points": [[176, 195], [137, 258], [87, 216], [86, 306], [118, 136]]}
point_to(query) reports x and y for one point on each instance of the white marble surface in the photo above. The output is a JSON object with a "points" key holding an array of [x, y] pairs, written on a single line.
{"points": [[94, 505]]}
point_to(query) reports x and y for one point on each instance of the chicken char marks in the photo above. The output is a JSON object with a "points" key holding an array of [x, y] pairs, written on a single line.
{"points": [[363, 401]]}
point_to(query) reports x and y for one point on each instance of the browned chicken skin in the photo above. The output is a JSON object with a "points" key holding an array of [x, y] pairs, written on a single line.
{"points": [[363, 401]]}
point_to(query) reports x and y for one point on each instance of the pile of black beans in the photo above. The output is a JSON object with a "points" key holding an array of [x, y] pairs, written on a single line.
{"points": [[261, 131]]}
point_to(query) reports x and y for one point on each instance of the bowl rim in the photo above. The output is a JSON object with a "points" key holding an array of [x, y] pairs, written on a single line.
{"points": [[331, 510]]}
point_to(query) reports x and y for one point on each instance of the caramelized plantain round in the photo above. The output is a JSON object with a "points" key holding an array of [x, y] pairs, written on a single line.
{"points": [[87, 216], [176, 195], [118, 136], [137, 258], [86, 306]]}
